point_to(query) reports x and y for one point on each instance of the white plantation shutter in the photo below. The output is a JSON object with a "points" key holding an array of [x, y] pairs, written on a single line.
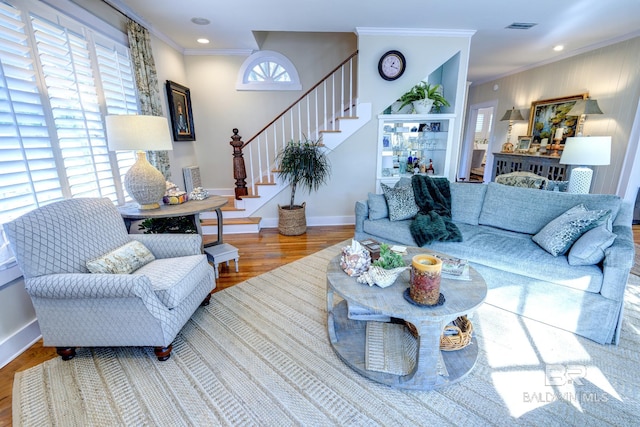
{"points": [[58, 80], [28, 173], [119, 90]]}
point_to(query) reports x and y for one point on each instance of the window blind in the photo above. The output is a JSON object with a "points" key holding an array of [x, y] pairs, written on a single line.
{"points": [[58, 79]]}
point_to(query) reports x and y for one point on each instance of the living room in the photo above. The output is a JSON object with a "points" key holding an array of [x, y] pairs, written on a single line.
{"points": [[218, 108]]}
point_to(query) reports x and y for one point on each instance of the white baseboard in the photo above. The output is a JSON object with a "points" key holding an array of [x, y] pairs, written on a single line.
{"points": [[17, 343], [314, 221]]}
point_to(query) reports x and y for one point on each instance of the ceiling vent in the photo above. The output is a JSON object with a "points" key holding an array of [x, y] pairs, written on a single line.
{"points": [[521, 25]]}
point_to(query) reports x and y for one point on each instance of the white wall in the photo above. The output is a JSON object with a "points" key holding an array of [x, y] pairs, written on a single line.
{"points": [[609, 74]]}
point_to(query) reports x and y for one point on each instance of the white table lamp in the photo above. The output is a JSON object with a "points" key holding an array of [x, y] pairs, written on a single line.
{"points": [[585, 151], [144, 183]]}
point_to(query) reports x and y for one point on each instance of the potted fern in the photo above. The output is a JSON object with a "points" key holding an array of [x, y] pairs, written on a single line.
{"points": [[303, 163], [424, 97]]}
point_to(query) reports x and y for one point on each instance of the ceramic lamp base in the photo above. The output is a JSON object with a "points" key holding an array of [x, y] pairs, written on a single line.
{"points": [[144, 183], [580, 180]]}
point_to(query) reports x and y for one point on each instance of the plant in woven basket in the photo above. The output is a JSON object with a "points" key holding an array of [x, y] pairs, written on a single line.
{"points": [[302, 163], [388, 258]]}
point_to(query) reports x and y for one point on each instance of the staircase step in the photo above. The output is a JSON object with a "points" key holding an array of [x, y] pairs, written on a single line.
{"points": [[232, 221], [330, 131], [347, 118]]}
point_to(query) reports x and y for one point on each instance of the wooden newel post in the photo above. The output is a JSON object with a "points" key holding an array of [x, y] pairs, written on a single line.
{"points": [[239, 171]]}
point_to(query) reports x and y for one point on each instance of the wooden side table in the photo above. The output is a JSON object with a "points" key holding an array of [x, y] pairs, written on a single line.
{"points": [[348, 336], [192, 208]]}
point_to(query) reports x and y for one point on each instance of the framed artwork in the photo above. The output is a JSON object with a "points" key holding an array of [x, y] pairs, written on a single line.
{"points": [[550, 114], [524, 142], [179, 98]]}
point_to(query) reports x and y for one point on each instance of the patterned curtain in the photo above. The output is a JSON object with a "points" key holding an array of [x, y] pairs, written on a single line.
{"points": [[147, 81]]}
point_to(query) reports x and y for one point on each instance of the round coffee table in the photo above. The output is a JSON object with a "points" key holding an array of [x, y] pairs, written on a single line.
{"points": [[349, 337]]}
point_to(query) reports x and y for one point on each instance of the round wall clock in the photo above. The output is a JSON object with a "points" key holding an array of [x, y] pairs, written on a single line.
{"points": [[391, 65]]}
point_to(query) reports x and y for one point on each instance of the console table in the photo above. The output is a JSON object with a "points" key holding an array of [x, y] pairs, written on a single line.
{"points": [[348, 336], [192, 208], [546, 166]]}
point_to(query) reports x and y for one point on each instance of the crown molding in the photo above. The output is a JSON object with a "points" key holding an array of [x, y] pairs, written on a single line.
{"points": [[422, 32], [220, 52]]}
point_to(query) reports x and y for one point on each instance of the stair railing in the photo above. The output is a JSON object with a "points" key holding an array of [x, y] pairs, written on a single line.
{"points": [[316, 111]]}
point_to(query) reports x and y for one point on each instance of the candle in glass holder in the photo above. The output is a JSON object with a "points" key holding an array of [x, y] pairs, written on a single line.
{"points": [[426, 272]]}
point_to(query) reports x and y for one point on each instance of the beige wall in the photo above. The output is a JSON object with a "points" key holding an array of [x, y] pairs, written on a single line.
{"points": [[218, 107], [609, 74], [354, 161]]}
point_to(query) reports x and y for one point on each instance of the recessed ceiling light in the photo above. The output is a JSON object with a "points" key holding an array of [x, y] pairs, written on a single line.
{"points": [[200, 21], [558, 48], [203, 41]]}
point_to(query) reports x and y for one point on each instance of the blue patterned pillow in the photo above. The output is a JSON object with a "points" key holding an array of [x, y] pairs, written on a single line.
{"points": [[401, 202], [123, 260], [558, 236]]}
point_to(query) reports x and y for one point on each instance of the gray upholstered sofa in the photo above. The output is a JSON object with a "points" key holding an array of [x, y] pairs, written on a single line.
{"points": [[57, 246], [497, 223]]}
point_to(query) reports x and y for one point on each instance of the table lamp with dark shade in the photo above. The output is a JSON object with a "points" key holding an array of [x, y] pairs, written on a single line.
{"points": [[581, 108], [144, 183], [512, 115]]}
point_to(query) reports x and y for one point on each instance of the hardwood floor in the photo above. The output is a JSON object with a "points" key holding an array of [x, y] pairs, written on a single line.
{"points": [[259, 253]]}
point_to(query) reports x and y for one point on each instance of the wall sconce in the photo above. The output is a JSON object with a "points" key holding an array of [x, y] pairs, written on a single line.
{"points": [[581, 108], [585, 151]]}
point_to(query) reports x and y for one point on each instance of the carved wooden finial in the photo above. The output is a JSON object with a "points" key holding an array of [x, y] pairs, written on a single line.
{"points": [[239, 171]]}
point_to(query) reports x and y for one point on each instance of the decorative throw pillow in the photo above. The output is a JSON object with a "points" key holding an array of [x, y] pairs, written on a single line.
{"points": [[560, 186], [558, 236], [403, 182], [123, 260], [400, 201], [377, 206], [589, 248]]}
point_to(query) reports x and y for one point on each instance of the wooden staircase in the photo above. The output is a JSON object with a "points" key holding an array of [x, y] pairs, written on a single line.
{"points": [[328, 111]]}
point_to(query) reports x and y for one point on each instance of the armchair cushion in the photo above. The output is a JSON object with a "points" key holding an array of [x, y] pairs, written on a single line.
{"points": [[123, 260], [172, 279]]}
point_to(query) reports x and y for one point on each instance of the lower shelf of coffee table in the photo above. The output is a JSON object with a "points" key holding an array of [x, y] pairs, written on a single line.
{"points": [[351, 348]]}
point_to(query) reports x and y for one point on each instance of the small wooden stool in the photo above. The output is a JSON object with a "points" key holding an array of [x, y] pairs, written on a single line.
{"points": [[222, 253]]}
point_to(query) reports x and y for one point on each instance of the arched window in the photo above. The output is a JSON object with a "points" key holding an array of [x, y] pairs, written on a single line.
{"points": [[268, 70]]}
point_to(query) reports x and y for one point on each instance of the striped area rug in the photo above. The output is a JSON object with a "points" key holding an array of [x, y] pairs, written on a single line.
{"points": [[259, 355]]}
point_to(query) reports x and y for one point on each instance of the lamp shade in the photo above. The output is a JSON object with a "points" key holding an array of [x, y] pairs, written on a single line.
{"points": [[137, 132], [512, 115], [585, 106], [587, 151]]}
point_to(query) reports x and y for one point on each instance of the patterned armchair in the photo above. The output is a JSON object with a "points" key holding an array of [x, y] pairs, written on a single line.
{"points": [[77, 308]]}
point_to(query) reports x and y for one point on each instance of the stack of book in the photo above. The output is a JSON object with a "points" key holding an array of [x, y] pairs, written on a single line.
{"points": [[455, 268]]}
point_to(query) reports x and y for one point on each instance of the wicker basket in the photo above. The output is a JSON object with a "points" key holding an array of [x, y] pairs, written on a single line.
{"points": [[463, 328], [292, 222]]}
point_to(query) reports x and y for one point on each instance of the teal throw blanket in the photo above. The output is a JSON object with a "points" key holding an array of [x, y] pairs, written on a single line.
{"points": [[433, 221]]}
